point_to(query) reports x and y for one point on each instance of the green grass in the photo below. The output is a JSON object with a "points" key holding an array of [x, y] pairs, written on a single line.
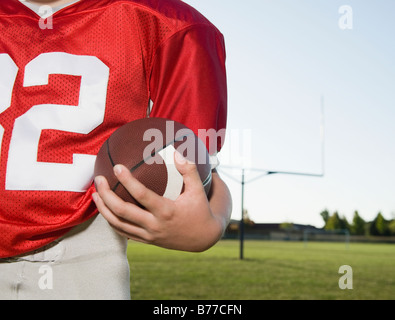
{"points": [[270, 271]]}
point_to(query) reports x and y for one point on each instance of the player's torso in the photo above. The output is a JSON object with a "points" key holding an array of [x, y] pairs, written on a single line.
{"points": [[63, 90]]}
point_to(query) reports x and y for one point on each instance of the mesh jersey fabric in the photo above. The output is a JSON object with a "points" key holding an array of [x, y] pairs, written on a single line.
{"points": [[65, 89]]}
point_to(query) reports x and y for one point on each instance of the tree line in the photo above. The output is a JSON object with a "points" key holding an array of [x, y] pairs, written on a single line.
{"points": [[379, 226]]}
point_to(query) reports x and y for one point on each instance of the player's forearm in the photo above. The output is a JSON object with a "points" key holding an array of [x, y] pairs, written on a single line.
{"points": [[220, 201]]}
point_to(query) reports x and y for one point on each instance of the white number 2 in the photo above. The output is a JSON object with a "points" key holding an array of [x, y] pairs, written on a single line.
{"points": [[24, 172]]}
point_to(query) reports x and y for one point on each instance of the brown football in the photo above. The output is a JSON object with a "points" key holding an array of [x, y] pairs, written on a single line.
{"points": [[146, 147]]}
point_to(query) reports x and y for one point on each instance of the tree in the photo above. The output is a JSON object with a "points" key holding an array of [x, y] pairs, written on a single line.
{"points": [[358, 225], [336, 223], [391, 227], [325, 215], [379, 226], [333, 222]]}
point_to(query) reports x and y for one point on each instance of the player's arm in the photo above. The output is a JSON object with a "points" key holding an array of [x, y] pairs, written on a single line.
{"points": [[220, 200]]}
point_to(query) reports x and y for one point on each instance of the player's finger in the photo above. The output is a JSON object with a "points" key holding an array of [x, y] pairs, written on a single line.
{"points": [[146, 197], [123, 227], [189, 172], [120, 208]]}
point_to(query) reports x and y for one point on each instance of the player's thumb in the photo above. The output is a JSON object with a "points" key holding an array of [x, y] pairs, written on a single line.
{"points": [[189, 172]]}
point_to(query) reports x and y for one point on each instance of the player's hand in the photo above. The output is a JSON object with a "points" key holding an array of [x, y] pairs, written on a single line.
{"points": [[191, 223]]}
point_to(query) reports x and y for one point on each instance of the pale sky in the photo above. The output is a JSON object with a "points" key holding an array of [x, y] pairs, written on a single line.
{"points": [[282, 56]]}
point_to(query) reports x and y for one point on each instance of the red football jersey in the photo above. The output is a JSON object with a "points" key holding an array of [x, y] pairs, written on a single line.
{"points": [[65, 89]]}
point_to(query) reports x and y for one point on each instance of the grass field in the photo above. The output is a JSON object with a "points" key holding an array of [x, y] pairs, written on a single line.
{"points": [[270, 271]]}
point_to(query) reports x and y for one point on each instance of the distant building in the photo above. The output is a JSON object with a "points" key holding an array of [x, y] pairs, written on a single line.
{"points": [[270, 231]]}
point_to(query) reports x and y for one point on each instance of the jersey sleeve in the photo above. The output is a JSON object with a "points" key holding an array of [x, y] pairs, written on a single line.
{"points": [[188, 83]]}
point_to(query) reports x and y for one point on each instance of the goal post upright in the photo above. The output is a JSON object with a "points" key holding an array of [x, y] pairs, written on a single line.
{"points": [[265, 172]]}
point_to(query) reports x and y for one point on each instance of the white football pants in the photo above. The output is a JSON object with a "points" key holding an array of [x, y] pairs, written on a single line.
{"points": [[89, 262]]}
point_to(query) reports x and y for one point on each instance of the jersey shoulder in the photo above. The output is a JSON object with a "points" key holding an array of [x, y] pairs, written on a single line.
{"points": [[176, 13]]}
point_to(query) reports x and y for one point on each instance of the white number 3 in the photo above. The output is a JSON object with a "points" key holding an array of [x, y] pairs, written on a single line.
{"points": [[24, 172]]}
